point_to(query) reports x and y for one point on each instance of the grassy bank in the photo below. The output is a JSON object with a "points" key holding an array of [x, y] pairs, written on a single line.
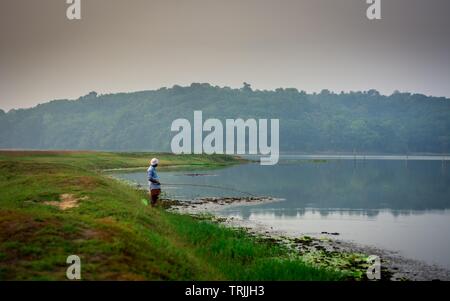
{"points": [[55, 204]]}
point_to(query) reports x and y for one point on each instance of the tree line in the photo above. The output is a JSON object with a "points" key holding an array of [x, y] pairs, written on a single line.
{"points": [[309, 122]]}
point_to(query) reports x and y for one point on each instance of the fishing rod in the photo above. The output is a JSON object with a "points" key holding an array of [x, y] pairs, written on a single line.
{"points": [[210, 186]]}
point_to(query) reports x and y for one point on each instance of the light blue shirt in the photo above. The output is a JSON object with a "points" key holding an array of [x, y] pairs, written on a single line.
{"points": [[151, 174]]}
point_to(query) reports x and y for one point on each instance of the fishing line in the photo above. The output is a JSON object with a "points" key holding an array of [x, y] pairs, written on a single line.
{"points": [[210, 186]]}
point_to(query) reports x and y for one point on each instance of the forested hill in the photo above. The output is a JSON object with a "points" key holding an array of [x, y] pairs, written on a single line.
{"points": [[361, 121]]}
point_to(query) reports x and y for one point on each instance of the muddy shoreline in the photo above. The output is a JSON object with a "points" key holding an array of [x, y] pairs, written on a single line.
{"points": [[325, 249]]}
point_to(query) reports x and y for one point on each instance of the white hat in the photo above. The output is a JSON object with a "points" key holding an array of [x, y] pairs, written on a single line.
{"points": [[154, 161]]}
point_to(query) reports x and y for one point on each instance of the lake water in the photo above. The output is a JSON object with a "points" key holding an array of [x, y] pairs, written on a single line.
{"points": [[392, 203]]}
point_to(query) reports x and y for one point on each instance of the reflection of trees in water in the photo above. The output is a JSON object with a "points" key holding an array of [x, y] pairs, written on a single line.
{"points": [[370, 185], [363, 184], [246, 213]]}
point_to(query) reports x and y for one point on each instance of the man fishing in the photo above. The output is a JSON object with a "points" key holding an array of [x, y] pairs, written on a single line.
{"points": [[153, 181]]}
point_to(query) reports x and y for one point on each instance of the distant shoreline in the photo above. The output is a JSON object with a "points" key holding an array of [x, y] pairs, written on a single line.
{"points": [[360, 156]]}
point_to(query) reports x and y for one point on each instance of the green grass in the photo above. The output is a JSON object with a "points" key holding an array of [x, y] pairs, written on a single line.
{"points": [[115, 235]]}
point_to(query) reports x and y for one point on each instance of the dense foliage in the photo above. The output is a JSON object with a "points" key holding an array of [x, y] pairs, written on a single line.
{"points": [[345, 122]]}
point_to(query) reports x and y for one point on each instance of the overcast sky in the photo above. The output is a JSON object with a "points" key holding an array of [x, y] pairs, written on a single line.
{"points": [[146, 44]]}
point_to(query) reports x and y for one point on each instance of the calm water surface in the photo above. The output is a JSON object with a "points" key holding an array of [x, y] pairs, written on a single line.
{"points": [[388, 202]]}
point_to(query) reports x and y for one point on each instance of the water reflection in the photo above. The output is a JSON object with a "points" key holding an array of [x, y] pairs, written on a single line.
{"points": [[401, 205], [246, 212], [342, 184]]}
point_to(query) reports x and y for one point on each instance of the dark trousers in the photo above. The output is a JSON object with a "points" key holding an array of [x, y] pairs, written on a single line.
{"points": [[154, 195]]}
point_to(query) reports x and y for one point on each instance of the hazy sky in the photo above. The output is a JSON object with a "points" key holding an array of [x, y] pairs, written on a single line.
{"points": [[146, 44]]}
